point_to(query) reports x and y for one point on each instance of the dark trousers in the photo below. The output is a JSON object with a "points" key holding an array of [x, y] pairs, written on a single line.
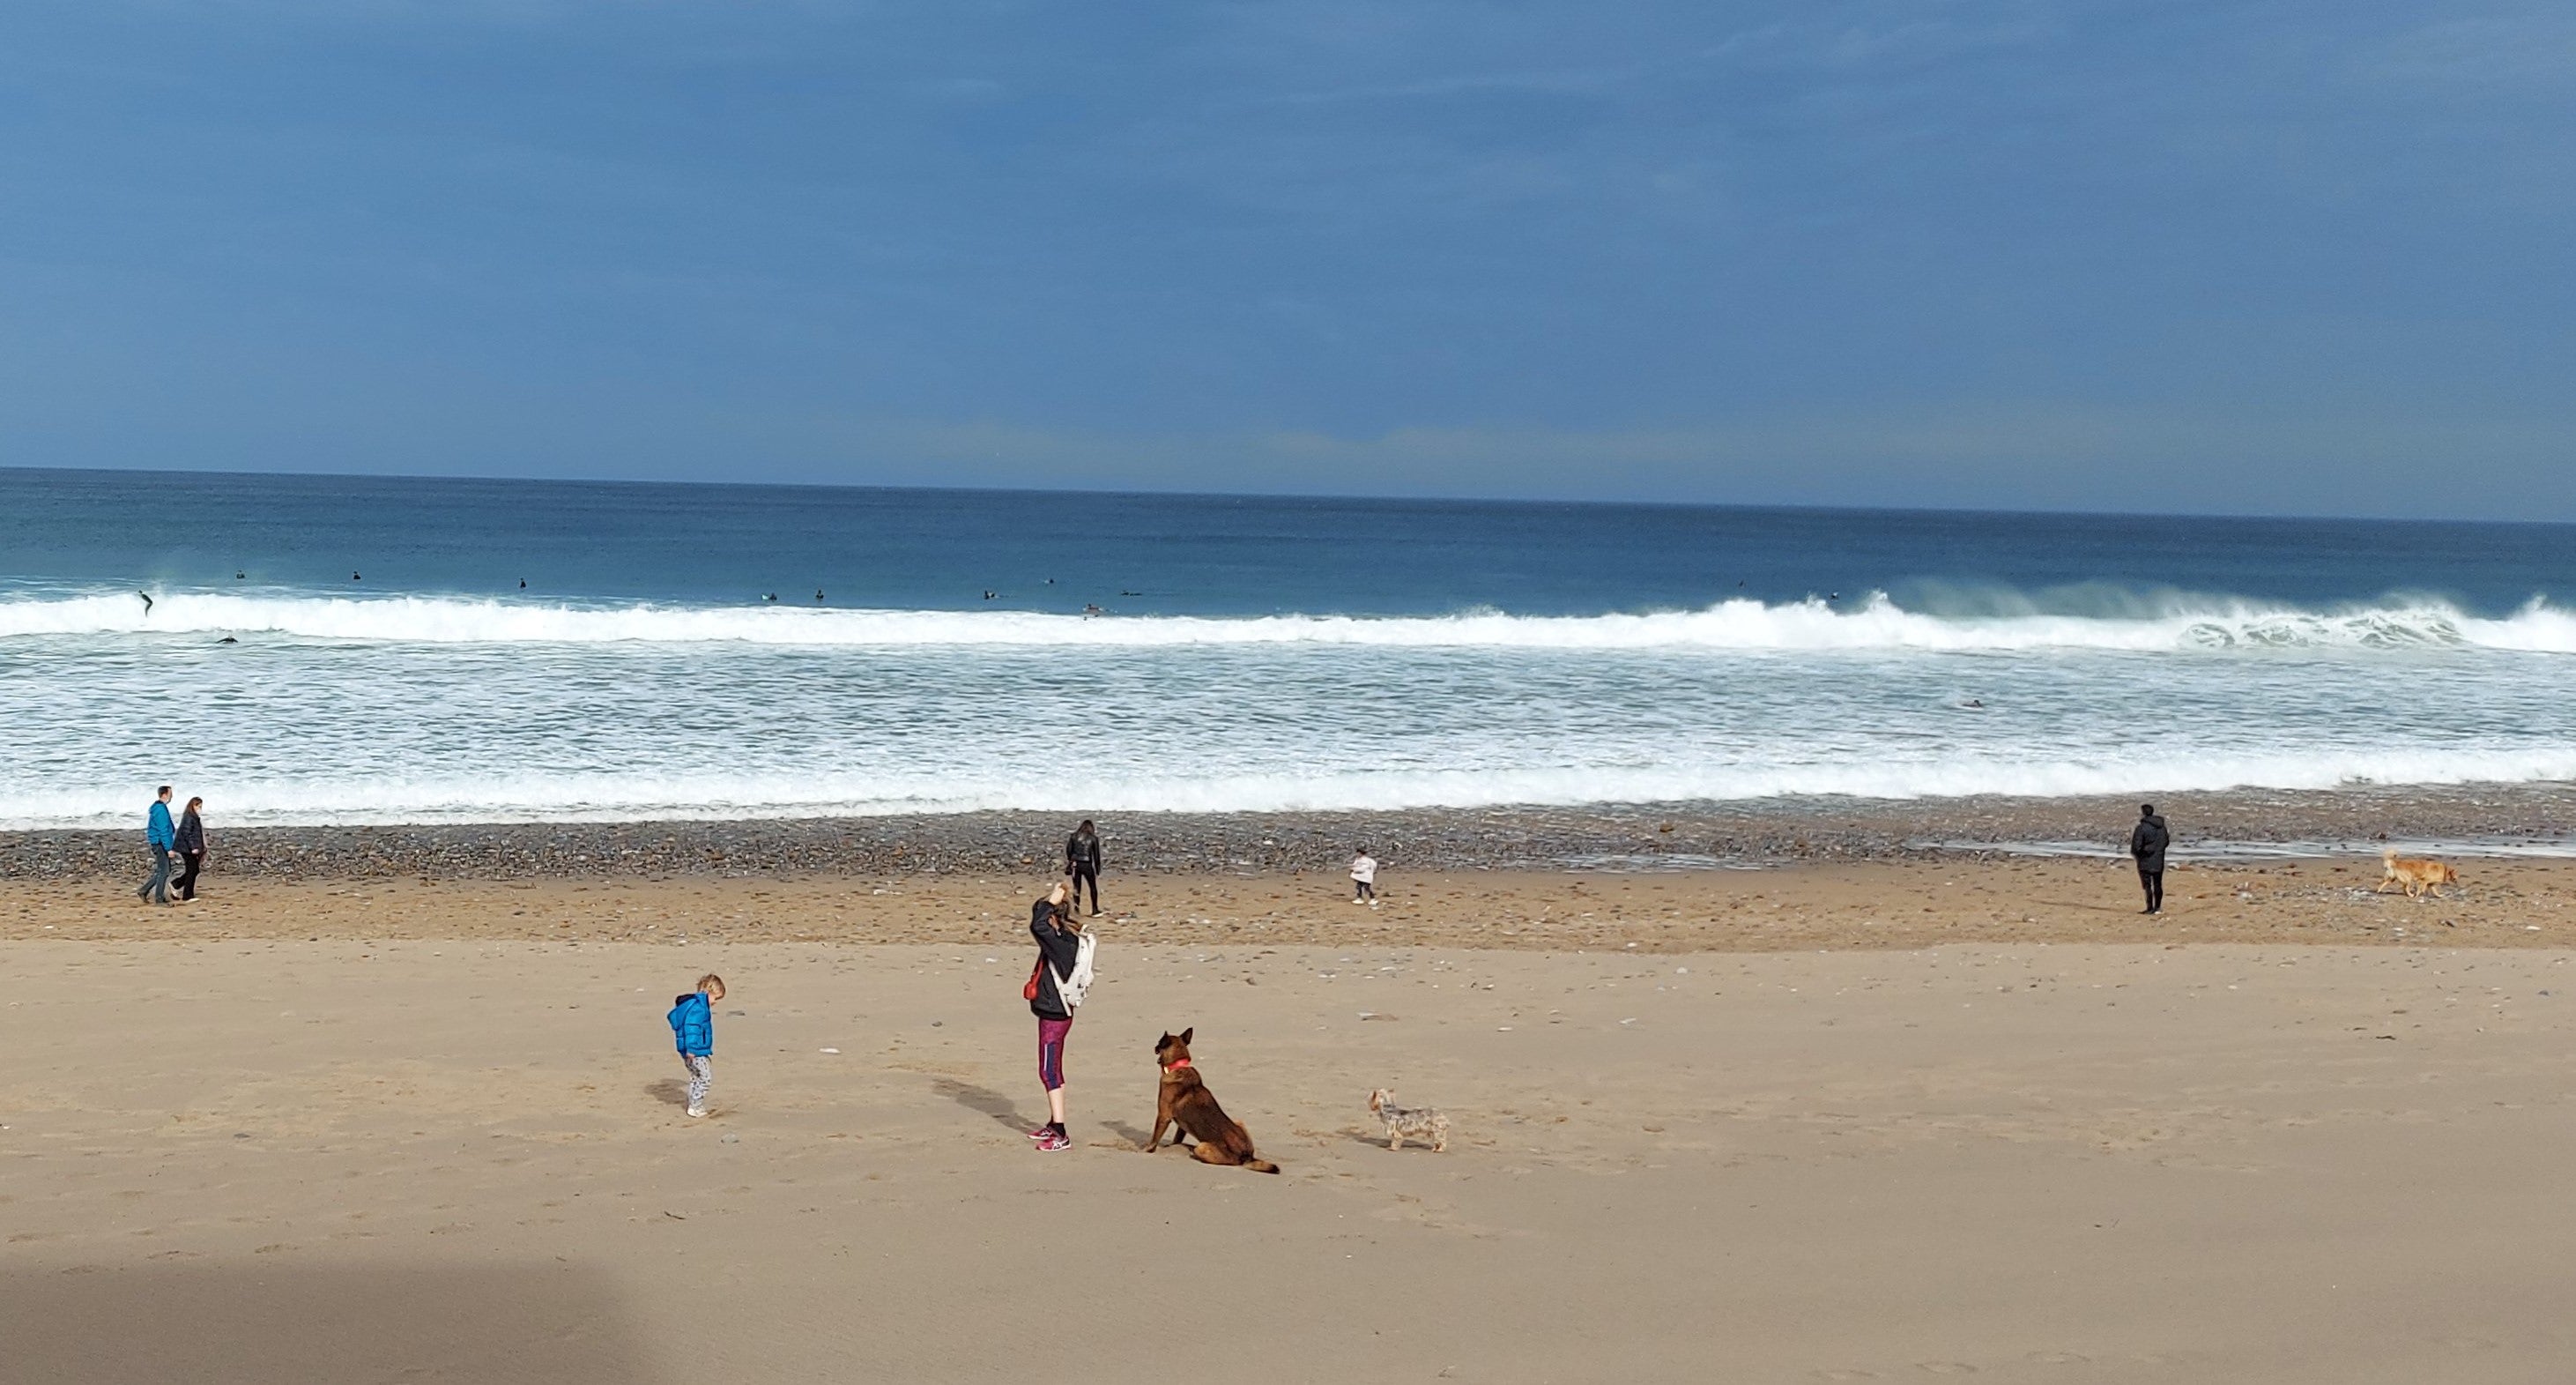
{"points": [[1082, 873], [2152, 879], [186, 884]]}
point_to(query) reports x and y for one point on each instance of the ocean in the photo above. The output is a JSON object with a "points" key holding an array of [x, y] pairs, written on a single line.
{"points": [[362, 650]]}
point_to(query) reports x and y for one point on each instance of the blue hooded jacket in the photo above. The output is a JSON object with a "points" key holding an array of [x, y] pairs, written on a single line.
{"points": [[157, 830], [693, 1023]]}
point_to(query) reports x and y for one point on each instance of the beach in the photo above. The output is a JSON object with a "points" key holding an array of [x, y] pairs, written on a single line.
{"points": [[1889, 1118]]}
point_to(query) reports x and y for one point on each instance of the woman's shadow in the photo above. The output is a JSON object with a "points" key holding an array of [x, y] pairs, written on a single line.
{"points": [[1006, 1113], [980, 1099]]}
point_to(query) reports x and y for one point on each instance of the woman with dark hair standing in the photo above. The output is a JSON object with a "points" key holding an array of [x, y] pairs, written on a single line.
{"points": [[190, 842], [1059, 946], [1082, 862]]}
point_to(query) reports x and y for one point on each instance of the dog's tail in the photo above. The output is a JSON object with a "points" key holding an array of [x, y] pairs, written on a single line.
{"points": [[1261, 1166]]}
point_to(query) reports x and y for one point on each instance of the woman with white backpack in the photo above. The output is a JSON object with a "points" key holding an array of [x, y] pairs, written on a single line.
{"points": [[1056, 986]]}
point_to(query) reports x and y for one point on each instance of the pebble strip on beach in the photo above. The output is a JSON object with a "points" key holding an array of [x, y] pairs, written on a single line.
{"points": [[1642, 837]]}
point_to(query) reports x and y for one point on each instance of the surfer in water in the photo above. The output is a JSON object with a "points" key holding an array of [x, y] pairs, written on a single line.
{"points": [[147, 602]]}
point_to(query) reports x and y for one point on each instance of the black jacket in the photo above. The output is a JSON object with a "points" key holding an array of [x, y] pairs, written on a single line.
{"points": [[191, 836], [2149, 841], [1057, 950], [1081, 850]]}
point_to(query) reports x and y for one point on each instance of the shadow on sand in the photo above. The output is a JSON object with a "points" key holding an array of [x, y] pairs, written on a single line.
{"points": [[983, 1100], [253, 1324], [670, 1091]]}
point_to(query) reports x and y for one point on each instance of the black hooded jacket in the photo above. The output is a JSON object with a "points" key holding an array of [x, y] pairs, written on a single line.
{"points": [[2149, 841], [1058, 950]]}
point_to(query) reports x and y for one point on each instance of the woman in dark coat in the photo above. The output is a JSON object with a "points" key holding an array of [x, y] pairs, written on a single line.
{"points": [[190, 843]]}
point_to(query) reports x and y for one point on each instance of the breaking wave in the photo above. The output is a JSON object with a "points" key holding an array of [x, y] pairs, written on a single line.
{"points": [[1876, 622]]}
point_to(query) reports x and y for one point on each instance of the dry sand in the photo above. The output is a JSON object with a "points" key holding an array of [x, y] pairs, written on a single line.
{"points": [[389, 1131]]}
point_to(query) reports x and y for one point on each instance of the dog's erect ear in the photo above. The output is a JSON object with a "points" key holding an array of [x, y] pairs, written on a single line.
{"points": [[1163, 1042], [1186, 1033]]}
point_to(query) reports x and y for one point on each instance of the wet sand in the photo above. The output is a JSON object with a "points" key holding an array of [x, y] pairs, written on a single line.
{"points": [[1632, 837]]}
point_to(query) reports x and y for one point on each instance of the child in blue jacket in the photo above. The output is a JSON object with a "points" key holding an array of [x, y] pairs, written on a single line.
{"points": [[693, 1025]]}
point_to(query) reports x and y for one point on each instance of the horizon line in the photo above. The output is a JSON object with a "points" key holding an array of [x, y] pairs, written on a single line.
{"points": [[1131, 492]]}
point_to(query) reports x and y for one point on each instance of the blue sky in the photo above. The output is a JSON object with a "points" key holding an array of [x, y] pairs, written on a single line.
{"points": [[2300, 257]]}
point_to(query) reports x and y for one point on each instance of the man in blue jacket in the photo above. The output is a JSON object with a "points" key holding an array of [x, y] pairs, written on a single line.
{"points": [[164, 837]]}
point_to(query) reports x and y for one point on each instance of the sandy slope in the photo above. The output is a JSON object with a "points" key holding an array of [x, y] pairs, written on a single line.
{"points": [[347, 1160]]}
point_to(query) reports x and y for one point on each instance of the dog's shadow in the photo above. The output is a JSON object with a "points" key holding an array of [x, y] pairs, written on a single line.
{"points": [[670, 1091], [983, 1100], [1126, 1132]]}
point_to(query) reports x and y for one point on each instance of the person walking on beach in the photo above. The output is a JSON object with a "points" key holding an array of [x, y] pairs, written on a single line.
{"points": [[160, 834], [693, 1030], [1364, 878], [1082, 862], [2147, 843], [1059, 948], [190, 841]]}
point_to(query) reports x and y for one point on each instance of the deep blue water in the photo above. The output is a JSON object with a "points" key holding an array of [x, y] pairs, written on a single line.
{"points": [[1198, 555]]}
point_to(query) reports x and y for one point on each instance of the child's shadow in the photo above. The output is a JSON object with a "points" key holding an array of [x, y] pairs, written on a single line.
{"points": [[670, 1091]]}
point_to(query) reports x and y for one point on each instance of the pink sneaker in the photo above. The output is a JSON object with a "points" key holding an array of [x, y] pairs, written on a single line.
{"points": [[1041, 1132], [1054, 1143]]}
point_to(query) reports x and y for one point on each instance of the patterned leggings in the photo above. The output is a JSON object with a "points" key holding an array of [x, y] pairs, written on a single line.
{"points": [[702, 1075], [1051, 1051]]}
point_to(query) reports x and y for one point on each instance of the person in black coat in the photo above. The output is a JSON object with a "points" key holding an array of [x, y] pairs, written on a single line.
{"points": [[190, 842], [2147, 843], [1082, 862]]}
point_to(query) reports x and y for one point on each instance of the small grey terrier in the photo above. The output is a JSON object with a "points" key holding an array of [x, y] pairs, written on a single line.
{"points": [[1423, 1123]]}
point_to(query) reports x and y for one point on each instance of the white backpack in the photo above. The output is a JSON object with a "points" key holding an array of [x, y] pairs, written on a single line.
{"points": [[1071, 989]]}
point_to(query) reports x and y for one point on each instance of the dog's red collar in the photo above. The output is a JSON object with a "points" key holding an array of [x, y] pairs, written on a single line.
{"points": [[1176, 1064]]}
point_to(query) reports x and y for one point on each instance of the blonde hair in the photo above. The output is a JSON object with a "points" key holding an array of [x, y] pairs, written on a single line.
{"points": [[711, 979]]}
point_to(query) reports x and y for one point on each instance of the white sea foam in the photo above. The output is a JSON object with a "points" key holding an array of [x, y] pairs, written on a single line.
{"points": [[422, 709], [1874, 623], [711, 794]]}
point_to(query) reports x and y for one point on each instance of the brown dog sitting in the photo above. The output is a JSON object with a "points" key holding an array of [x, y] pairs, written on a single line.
{"points": [[1185, 1103]]}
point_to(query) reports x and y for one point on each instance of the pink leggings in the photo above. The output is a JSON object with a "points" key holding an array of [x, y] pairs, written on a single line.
{"points": [[1051, 1051]]}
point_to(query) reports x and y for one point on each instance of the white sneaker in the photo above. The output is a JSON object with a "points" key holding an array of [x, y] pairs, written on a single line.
{"points": [[697, 1112]]}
